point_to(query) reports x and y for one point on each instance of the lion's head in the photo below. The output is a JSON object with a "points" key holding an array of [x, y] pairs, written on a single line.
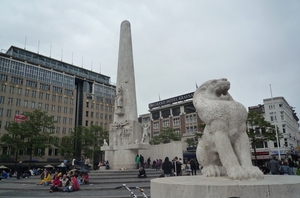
{"points": [[216, 89]]}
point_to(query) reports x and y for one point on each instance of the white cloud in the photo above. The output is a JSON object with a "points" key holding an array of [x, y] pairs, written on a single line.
{"points": [[175, 43]]}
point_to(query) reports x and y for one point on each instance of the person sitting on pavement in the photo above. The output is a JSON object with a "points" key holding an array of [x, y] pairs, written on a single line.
{"points": [[46, 180], [273, 166], [34, 171], [75, 183], [64, 182], [69, 187], [284, 169], [4, 175], [142, 173], [56, 184], [107, 165], [79, 178], [56, 173], [85, 178]]}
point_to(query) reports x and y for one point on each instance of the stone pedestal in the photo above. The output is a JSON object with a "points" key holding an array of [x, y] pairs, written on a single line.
{"points": [[280, 186]]}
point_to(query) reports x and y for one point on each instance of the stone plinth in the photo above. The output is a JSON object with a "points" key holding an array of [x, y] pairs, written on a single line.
{"points": [[218, 187]]}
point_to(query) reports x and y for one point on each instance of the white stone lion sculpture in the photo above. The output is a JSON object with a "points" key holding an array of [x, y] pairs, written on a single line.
{"points": [[224, 148]]}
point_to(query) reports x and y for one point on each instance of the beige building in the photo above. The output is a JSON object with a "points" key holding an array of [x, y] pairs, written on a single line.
{"points": [[73, 95]]}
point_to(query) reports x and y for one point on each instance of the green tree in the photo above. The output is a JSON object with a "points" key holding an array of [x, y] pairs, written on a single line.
{"points": [[166, 136], [99, 135], [191, 142], [37, 131], [31, 136], [84, 141], [260, 130], [66, 147], [14, 139]]}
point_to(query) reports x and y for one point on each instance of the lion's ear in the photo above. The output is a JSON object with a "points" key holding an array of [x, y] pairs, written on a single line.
{"points": [[202, 89]]}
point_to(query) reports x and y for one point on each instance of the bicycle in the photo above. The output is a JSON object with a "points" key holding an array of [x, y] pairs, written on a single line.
{"points": [[131, 192]]}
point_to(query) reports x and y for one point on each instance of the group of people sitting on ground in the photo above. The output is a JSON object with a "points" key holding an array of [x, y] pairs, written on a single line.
{"points": [[105, 164], [287, 167], [63, 182]]}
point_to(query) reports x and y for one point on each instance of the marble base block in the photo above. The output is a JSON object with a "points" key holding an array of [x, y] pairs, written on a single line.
{"points": [[272, 186]]}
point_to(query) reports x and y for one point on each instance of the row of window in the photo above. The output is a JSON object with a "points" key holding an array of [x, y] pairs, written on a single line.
{"points": [[102, 107], [33, 84], [36, 73], [96, 115], [105, 126], [189, 119], [61, 66], [103, 90], [40, 94], [38, 105], [9, 151]]}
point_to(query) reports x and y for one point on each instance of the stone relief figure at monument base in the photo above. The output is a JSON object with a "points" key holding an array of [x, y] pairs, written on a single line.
{"points": [[224, 148]]}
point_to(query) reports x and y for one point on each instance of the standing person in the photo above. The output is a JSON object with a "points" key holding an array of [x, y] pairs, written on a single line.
{"points": [[177, 166], [193, 164], [273, 166], [73, 162], [137, 161], [167, 167], [158, 164], [291, 165], [86, 163], [19, 169], [63, 168], [142, 161], [149, 162]]}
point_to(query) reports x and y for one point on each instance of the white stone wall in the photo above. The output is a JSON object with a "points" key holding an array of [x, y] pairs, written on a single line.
{"points": [[163, 150]]}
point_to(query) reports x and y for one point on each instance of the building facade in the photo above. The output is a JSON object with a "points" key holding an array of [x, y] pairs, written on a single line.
{"points": [[278, 112], [177, 113], [73, 95]]}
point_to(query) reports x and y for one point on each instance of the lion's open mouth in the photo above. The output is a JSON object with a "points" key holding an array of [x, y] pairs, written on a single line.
{"points": [[222, 90]]}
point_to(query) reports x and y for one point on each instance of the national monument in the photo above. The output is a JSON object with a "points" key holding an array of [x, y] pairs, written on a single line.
{"points": [[125, 133]]}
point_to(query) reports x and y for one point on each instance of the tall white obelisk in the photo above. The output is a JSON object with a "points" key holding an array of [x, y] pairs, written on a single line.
{"points": [[125, 131]]}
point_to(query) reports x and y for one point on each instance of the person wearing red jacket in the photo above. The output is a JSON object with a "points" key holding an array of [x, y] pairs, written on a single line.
{"points": [[56, 184], [75, 183]]}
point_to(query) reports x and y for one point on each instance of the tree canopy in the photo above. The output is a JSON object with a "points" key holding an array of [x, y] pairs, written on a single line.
{"points": [[259, 129], [166, 136], [83, 141], [30, 137]]}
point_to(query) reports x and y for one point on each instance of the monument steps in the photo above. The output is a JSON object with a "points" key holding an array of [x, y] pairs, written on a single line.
{"points": [[103, 184]]}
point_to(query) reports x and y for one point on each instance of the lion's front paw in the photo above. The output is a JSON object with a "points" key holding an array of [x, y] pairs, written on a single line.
{"points": [[237, 173], [211, 171], [254, 172]]}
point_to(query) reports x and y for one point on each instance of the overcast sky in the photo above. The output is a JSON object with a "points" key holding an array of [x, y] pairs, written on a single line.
{"points": [[176, 44]]}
